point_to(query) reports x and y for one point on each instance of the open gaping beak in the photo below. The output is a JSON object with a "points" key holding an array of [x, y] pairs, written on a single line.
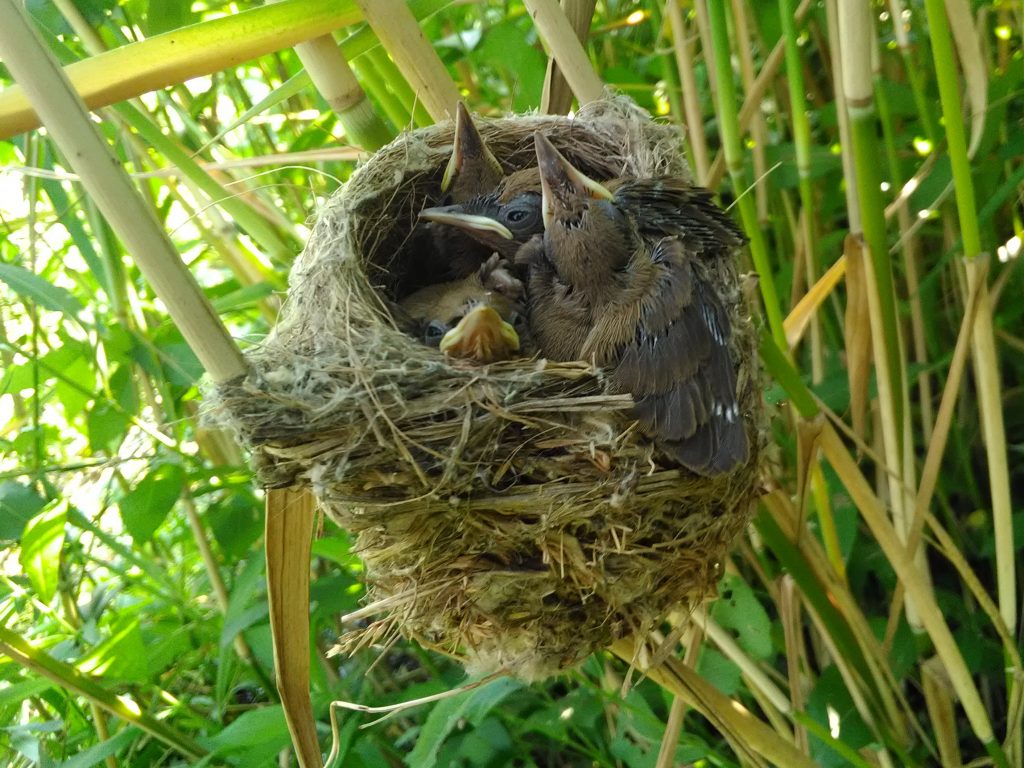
{"points": [[454, 216], [561, 181], [470, 155], [482, 336]]}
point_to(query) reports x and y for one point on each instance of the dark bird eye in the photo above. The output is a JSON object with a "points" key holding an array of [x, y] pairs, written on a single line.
{"points": [[516, 215], [434, 333]]}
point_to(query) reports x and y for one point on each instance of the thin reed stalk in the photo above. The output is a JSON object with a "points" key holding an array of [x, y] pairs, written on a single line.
{"points": [[684, 47], [986, 362], [333, 77], [560, 38], [857, 44], [400, 34], [366, 68], [173, 57], [396, 82], [730, 135], [556, 97]]}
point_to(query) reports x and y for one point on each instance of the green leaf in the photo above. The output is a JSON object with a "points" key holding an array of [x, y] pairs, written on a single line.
{"points": [[237, 523], [167, 15], [18, 692], [122, 656], [447, 714], [260, 733], [242, 297], [738, 609], [34, 288], [18, 504], [100, 752], [149, 502], [719, 671], [106, 426], [41, 545]]}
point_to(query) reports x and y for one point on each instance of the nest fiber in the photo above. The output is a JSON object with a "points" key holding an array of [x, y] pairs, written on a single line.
{"points": [[509, 515]]}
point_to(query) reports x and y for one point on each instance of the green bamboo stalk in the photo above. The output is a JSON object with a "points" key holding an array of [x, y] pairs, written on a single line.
{"points": [[986, 363], [915, 74], [843, 115], [68, 677], [392, 75], [758, 130], [729, 130], [802, 141], [855, 28], [333, 77], [399, 32], [668, 72], [366, 68], [176, 56], [908, 245]]}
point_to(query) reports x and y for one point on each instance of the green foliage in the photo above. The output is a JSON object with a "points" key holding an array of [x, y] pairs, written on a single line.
{"points": [[133, 615]]}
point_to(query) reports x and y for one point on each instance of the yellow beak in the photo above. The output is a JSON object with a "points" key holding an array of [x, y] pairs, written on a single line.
{"points": [[482, 336]]}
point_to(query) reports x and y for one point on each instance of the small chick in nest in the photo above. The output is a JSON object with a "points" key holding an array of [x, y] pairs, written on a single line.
{"points": [[473, 318]]}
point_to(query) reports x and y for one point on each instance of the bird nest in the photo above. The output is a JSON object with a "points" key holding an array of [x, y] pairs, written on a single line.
{"points": [[510, 515]]}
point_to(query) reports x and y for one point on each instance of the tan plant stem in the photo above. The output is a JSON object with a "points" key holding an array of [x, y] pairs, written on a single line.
{"points": [[556, 98], [567, 51], [289, 536], [752, 738], [400, 34], [985, 359], [66, 118], [333, 77], [685, 51]]}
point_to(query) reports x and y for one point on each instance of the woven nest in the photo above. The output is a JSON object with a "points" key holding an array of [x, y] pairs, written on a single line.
{"points": [[508, 515]]}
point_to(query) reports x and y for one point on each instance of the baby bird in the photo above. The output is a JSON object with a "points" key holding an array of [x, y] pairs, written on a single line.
{"points": [[441, 254], [500, 220], [472, 318], [473, 169], [620, 278]]}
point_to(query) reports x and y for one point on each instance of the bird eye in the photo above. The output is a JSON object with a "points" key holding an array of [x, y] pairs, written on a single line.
{"points": [[434, 333], [522, 216]]}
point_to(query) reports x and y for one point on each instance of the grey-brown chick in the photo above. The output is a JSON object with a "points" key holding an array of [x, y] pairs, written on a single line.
{"points": [[620, 278], [500, 220], [472, 318], [442, 253]]}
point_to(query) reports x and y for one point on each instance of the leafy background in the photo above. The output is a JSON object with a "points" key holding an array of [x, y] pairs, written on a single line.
{"points": [[133, 618]]}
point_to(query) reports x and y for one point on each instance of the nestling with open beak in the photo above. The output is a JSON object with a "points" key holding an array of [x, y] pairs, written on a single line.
{"points": [[440, 253], [500, 220], [472, 318], [620, 278]]}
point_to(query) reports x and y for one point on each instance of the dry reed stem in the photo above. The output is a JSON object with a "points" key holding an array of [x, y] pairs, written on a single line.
{"points": [[799, 318], [685, 50], [558, 35], [289, 537], [916, 585], [752, 739], [401, 36], [556, 96]]}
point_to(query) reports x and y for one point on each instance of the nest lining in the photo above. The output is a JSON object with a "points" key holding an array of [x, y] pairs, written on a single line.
{"points": [[508, 515]]}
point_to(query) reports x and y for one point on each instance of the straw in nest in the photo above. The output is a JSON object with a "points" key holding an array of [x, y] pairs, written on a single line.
{"points": [[508, 515]]}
